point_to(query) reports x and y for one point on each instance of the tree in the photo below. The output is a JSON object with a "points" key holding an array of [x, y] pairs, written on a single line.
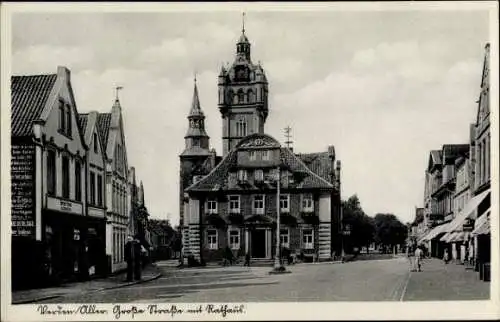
{"points": [[389, 231], [360, 225]]}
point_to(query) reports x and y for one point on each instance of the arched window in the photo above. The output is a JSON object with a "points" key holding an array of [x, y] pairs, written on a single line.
{"points": [[241, 128], [241, 96], [230, 96], [250, 96]]}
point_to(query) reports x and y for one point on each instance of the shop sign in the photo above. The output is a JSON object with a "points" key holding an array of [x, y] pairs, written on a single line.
{"points": [[96, 212], [22, 181], [64, 205]]}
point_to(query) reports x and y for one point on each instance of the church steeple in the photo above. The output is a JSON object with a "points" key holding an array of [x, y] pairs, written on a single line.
{"points": [[243, 45], [196, 138]]}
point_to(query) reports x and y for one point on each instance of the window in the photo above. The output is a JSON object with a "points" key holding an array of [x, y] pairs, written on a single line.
{"points": [[211, 207], [62, 117], [78, 181], [259, 175], [265, 155], [258, 204], [99, 189], [242, 175], [234, 204], [251, 155], [250, 96], [212, 239], [241, 128], [65, 177], [196, 142], [307, 238], [285, 238], [307, 203], [68, 120], [285, 203], [234, 239], [92, 188], [51, 172], [95, 143], [241, 96]]}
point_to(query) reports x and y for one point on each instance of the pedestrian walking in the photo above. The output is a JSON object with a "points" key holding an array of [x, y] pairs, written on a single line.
{"points": [[229, 255], [418, 258], [247, 260], [409, 256], [129, 258], [446, 256]]}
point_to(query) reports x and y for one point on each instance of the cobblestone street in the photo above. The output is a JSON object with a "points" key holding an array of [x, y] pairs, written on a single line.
{"points": [[369, 280]]}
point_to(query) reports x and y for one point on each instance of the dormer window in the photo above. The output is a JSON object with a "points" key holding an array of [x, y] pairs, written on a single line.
{"points": [[242, 175]]}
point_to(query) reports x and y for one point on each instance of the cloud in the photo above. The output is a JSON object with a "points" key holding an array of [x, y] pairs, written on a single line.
{"points": [[384, 88]]}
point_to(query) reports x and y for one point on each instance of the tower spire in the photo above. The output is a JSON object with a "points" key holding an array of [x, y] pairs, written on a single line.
{"points": [[117, 89], [243, 23], [195, 104]]}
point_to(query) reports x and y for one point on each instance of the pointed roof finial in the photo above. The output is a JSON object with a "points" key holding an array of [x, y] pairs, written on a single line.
{"points": [[117, 89], [243, 23], [195, 74]]}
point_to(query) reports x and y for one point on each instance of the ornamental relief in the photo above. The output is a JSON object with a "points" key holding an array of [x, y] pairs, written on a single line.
{"points": [[260, 142]]}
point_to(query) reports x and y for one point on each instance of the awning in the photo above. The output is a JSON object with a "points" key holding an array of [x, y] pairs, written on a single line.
{"points": [[435, 232], [446, 237], [482, 225], [458, 236], [455, 224]]}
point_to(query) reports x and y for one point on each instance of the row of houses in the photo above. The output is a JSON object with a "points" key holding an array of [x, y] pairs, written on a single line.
{"points": [[74, 197], [456, 212]]}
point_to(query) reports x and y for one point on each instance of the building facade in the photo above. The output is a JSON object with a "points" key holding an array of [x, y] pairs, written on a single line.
{"points": [[232, 202], [111, 130], [48, 179], [96, 196]]}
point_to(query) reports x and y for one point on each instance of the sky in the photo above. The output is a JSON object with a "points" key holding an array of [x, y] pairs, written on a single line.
{"points": [[383, 87]]}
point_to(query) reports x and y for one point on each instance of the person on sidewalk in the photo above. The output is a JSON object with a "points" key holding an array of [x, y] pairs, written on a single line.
{"points": [[409, 256], [247, 260], [137, 258], [418, 258], [446, 256], [129, 258]]}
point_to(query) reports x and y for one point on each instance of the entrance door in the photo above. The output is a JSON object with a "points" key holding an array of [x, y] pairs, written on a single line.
{"points": [[258, 243]]}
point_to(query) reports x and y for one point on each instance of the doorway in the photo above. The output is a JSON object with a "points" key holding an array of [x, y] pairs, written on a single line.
{"points": [[258, 249]]}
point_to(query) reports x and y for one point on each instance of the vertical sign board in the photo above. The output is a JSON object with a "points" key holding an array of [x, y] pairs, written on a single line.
{"points": [[22, 171]]}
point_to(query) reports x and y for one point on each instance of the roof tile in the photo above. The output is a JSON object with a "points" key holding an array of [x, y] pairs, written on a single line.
{"points": [[29, 95]]}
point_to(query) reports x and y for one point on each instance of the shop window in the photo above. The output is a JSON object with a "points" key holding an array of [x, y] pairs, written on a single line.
{"points": [[285, 203], [258, 204], [234, 204], [51, 172], [307, 238], [234, 239], [212, 239], [65, 177]]}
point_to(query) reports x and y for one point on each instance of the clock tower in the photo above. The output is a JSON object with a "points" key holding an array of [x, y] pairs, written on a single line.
{"points": [[243, 94]]}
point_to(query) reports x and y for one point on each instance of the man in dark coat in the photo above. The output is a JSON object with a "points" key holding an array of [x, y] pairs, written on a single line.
{"points": [[129, 258], [137, 258]]}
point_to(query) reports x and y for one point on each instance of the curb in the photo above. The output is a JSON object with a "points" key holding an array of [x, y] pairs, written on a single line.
{"points": [[38, 299], [42, 298]]}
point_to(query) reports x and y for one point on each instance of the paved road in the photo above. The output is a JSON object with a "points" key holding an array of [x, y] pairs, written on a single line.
{"points": [[374, 280]]}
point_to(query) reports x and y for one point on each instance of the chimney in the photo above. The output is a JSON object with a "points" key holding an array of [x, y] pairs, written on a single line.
{"points": [[63, 72], [331, 156], [337, 174]]}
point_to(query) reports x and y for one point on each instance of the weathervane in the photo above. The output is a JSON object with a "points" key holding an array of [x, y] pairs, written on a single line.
{"points": [[117, 89]]}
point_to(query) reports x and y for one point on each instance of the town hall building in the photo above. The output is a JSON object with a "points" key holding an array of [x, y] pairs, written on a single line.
{"points": [[232, 200]]}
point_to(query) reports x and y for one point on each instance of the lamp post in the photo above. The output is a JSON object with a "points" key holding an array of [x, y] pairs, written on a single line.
{"points": [[277, 262], [278, 267]]}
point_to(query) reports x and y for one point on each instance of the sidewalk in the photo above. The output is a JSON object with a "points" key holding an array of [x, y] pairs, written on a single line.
{"points": [[451, 282], [150, 273]]}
